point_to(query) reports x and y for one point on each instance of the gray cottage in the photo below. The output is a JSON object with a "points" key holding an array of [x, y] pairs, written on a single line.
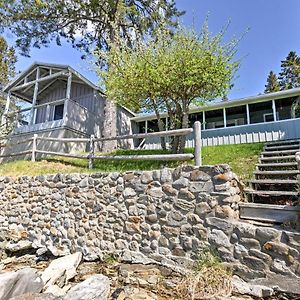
{"points": [[60, 102]]}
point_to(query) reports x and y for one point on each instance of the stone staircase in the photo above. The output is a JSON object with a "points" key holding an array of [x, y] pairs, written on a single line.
{"points": [[276, 176], [273, 194]]}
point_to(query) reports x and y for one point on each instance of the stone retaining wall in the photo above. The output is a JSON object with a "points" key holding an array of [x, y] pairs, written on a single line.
{"points": [[166, 215]]}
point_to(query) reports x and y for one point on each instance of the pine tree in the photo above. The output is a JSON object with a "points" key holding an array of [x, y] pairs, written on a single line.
{"points": [[87, 25], [272, 83], [289, 77]]}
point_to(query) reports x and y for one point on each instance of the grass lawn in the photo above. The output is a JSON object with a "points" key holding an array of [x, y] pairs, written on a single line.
{"points": [[242, 158]]}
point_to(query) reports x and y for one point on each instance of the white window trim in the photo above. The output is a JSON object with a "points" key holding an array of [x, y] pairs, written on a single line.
{"points": [[53, 112], [271, 114]]}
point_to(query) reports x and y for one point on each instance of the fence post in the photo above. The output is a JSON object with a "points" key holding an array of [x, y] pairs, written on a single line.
{"points": [[197, 151], [33, 147], [92, 151]]}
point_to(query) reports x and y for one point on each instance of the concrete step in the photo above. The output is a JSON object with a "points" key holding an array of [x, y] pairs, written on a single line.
{"points": [[284, 142], [277, 172], [282, 152], [281, 158], [283, 147], [282, 164], [269, 212], [271, 193], [274, 181]]}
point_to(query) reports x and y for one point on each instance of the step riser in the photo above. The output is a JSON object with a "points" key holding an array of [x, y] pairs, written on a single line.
{"points": [[279, 187], [286, 142], [279, 164], [278, 158], [279, 153], [265, 193], [276, 176], [288, 147], [266, 168], [270, 181]]}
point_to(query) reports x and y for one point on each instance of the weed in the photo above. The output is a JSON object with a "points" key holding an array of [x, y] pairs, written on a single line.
{"points": [[109, 259], [207, 258]]}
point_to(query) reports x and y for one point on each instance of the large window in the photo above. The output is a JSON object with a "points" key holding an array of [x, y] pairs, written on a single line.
{"points": [[284, 108], [214, 119], [58, 112], [236, 116], [260, 112], [152, 126]]}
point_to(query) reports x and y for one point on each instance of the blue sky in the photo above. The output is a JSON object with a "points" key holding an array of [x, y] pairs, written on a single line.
{"points": [[274, 31]]}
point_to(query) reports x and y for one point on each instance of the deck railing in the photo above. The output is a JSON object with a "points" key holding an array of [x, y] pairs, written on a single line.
{"points": [[91, 156]]}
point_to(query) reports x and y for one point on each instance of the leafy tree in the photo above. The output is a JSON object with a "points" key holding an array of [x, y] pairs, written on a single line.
{"points": [[169, 72], [86, 24], [7, 71], [7, 62], [289, 77], [272, 83]]}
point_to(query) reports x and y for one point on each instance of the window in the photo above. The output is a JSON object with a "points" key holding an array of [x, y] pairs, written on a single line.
{"points": [[58, 112], [270, 117]]}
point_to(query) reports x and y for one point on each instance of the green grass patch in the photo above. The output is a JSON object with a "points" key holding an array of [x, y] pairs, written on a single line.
{"points": [[242, 158]]}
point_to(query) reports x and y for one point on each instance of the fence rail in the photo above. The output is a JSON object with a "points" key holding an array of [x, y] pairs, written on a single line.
{"points": [[91, 156]]}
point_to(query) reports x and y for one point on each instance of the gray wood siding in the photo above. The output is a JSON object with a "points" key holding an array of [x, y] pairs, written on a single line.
{"points": [[124, 127], [82, 94]]}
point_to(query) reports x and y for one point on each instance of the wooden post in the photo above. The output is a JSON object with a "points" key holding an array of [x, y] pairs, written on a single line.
{"points": [[4, 119], [197, 151], [203, 120], [68, 96], [92, 152], [35, 94], [274, 110], [224, 117], [33, 147], [248, 114]]}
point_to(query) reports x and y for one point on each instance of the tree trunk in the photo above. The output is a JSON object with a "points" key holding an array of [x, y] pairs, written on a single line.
{"points": [[185, 124], [177, 121], [161, 125]]}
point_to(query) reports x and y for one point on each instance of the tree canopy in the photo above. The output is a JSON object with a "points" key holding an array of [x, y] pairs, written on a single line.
{"points": [[7, 71], [273, 84], [170, 72], [289, 77], [86, 24], [7, 62]]}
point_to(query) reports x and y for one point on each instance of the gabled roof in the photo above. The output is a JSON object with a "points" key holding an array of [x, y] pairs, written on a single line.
{"points": [[62, 67], [59, 68]]}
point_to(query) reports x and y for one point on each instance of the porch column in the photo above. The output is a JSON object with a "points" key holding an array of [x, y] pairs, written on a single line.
{"points": [[68, 96], [203, 120], [224, 117], [146, 126], [248, 114], [274, 110], [167, 123], [48, 113], [35, 93], [3, 120]]}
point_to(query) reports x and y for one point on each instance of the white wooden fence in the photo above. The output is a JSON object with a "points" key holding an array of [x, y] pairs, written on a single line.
{"points": [[34, 150]]}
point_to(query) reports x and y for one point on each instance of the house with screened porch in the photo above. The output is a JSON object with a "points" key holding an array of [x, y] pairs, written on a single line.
{"points": [[266, 117], [58, 102]]}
